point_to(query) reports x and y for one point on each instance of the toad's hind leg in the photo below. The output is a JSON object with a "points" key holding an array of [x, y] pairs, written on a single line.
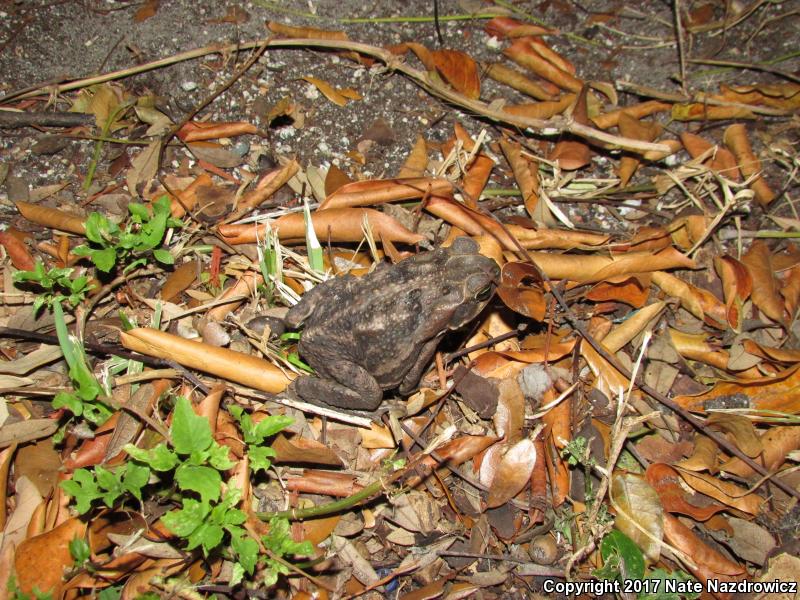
{"points": [[361, 392]]}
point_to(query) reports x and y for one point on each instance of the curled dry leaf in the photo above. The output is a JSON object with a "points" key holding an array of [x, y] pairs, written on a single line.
{"points": [[523, 53], [636, 111], [707, 562], [526, 176], [736, 140], [268, 184], [737, 285], [766, 295], [541, 110], [701, 303], [695, 346], [516, 80], [573, 154], [378, 191], [586, 269], [235, 366], [709, 112], [305, 32], [785, 96], [633, 128], [673, 497], [17, 251], [336, 224], [703, 457], [51, 218], [740, 431], [327, 483], [511, 28], [196, 131], [522, 290], [721, 161], [337, 96], [726, 492]]}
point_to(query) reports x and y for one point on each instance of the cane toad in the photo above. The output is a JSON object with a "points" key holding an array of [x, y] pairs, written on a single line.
{"points": [[378, 332]]}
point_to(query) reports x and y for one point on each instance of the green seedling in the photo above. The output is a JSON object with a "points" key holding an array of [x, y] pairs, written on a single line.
{"points": [[83, 401], [131, 245], [58, 285], [190, 470]]}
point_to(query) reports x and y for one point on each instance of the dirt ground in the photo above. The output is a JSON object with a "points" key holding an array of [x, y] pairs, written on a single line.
{"points": [[45, 41]]}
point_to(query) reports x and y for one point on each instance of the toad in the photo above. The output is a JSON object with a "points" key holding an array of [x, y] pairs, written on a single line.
{"points": [[365, 335]]}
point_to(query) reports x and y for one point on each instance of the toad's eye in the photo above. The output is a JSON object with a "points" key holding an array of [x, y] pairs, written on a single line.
{"points": [[484, 294]]}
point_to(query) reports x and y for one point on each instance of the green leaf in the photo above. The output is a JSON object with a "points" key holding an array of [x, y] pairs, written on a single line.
{"points": [[246, 550], [83, 488], [207, 535], [163, 256], [203, 480], [135, 478], [104, 259], [260, 457], [271, 425], [139, 211], [184, 521], [96, 225], [219, 457], [79, 550], [160, 458], [190, 432], [69, 401], [631, 559]]}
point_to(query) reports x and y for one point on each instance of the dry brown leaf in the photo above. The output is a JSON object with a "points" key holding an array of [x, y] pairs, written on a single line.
{"points": [[40, 561], [378, 191], [523, 53], [522, 290], [778, 442], [726, 492], [709, 112], [766, 295], [633, 128], [695, 346], [640, 514], [709, 562], [51, 218], [337, 96], [636, 111], [459, 70], [235, 366], [336, 224], [736, 140], [573, 154], [740, 430], [195, 131], [513, 473], [509, 416], [701, 303], [269, 183], [722, 160], [516, 80], [541, 110], [511, 28], [667, 482], [527, 178], [416, 162], [17, 251], [179, 280], [305, 32]]}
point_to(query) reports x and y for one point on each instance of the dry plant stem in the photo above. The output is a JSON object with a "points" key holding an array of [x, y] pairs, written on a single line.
{"points": [[746, 65], [676, 8], [554, 126]]}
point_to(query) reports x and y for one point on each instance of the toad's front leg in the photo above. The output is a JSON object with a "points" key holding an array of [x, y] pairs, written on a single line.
{"points": [[341, 384]]}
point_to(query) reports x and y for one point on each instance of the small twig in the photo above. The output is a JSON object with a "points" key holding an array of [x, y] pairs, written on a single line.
{"points": [[679, 37], [554, 126], [13, 120]]}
